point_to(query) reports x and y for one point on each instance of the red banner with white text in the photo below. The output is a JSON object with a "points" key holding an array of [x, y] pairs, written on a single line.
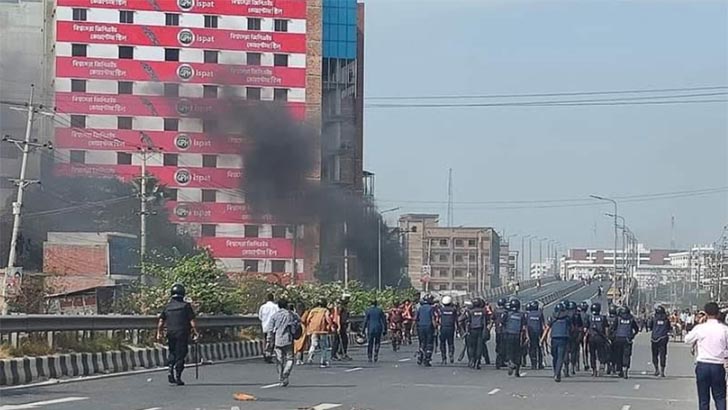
{"points": [[250, 248], [175, 177], [254, 8], [213, 212]]}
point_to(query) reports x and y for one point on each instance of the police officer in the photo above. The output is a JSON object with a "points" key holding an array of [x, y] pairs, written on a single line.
{"points": [[572, 351], [625, 329], [179, 318], [448, 322], [659, 324], [583, 309], [536, 324], [426, 318], [559, 328], [498, 324], [515, 333], [475, 325], [611, 319], [597, 329]]}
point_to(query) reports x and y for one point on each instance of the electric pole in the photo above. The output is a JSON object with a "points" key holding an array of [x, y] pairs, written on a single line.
{"points": [[26, 146], [146, 149]]}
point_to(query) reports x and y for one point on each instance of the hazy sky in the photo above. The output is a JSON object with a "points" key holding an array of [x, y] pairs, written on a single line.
{"points": [[450, 47]]}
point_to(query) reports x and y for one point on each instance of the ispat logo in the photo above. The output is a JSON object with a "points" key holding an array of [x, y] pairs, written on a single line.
{"points": [[185, 5], [186, 37], [184, 106], [182, 211], [185, 72], [182, 142], [182, 176]]}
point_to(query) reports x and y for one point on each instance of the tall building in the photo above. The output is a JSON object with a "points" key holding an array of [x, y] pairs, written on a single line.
{"points": [[118, 64], [587, 262], [449, 258]]}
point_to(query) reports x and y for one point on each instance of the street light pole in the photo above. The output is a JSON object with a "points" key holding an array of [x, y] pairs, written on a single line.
{"points": [[379, 246], [616, 234], [523, 254]]}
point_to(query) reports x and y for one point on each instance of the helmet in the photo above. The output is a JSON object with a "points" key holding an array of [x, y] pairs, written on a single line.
{"points": [[623, 311], [514, 305], [446, 300], [565, 301], [360, 338], [468, 303], [178, 291], [571, 305], [478, 303], [584, 306], [560, 307], [660, 310], [596, 308], [428, 299], [612, 310], [532, 306], [502, 302]]}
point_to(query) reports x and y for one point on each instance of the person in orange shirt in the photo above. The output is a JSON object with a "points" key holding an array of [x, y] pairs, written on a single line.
{"points": [[319, 325], [408, 316]]}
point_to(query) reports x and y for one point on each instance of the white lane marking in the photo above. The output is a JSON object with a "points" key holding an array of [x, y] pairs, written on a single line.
{"points": [[524, 374], [607, 396], [270, 386], [492, 392], [326, 406], [636, 386], [441, 386], [354, 369], [405, 360], [38, 404], [626, 407], [154, 408]]}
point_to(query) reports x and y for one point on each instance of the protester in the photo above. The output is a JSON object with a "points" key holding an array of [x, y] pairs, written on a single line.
{"points": [[265, 313], [301, 344], [285, 325], [711, 339], [319, 325], [375, 324], [340, 350]]}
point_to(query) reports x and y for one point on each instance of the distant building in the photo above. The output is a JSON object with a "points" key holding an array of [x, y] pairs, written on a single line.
{"points": [[450, 258], [695, 262], [541, 269], [588, 262], [505, 271]]}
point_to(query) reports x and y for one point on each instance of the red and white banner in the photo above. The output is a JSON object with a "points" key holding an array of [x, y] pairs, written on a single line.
{"points": [[172, 71], [166, 141], [213, 212], [152, 106], [170, 176], [250, 248], [253, 8], [172, 36]]}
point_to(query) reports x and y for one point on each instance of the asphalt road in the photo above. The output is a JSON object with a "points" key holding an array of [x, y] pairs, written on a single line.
{"points": [[396, 382]]}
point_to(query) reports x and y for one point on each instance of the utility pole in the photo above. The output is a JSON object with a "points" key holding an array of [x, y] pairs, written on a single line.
{"points": [[147, 147], [25, 146]]}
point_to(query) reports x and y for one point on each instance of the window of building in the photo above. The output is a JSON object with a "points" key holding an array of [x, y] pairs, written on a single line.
{"points": [[458, 258], [171, 19], [171, 90], [280, 94], [443, 273], [123, 158], [126, 16], [252, 93], [78, 86], [208, 230], [253, 23], [209, 195], [126, 87], [171, 54], [444, 286], [253, 58], [210, 21], [280, 60], [123, 123], [78, 121], [79, 50], [250, 265], [251, 231], [443, 242], [170, 159], [458, 273], [170, 194], [209, 161], [471, 242], [279, 231], [171, 124], [209, 91], [78, 156], [458, 242], [472, 257], [443, 257], [211, 56], [414, 229], [79, 14], [280, 25], [126, 52], [209, 125], [278, 266]]}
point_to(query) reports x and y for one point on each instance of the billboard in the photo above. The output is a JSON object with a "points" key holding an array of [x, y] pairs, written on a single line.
{"points": [[294, 9], [250, 248], [185, 177], [166, 141], [176, 72], [179, 37]]}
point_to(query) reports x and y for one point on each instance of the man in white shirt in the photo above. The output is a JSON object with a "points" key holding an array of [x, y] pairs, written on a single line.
{"points": [[711, 337], [265, 313]]}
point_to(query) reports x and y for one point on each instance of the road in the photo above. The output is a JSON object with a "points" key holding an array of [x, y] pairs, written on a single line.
{"points": [[396, 382]]}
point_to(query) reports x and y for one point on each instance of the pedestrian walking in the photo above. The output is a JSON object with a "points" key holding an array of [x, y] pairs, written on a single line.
{"points": [[300, 345], [515, 336], [426, 318], [179, 319], [559, 329], [625, 329], [285, 327], [660, 327], [375, 325], [265, 313], [319, 325], [448, 317], [711, 338], [340, 350], [536, 324], [596, 339]]}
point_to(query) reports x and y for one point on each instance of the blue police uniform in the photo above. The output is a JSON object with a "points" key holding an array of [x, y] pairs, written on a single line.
{"points": [[448, 321], [560, 326], [625, 329], [513, 325], [425, 319], [597, 330], [661, 328], [536, 324]]}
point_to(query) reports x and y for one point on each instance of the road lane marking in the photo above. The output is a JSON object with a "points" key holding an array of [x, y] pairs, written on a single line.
{"points": [[38, 404], [626, 407], [606, 396], [524, 374], [154, 408], [354, 369], [270, 386], [405, 360], [492, 392], [441, 386], [636, 386], [325, 406]]}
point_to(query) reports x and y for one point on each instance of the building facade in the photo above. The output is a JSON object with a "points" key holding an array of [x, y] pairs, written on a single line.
{"points": [[123, 68], [588, 262], [448, 258]]}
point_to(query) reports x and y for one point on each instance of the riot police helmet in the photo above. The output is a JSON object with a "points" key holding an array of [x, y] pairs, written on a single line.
{"points": [[660, 310], [596, 308], [532, 306], [178, 291], [571, 305], [613, 310], [502, 302], [560, 307], [447, 300], [514, 305]]}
